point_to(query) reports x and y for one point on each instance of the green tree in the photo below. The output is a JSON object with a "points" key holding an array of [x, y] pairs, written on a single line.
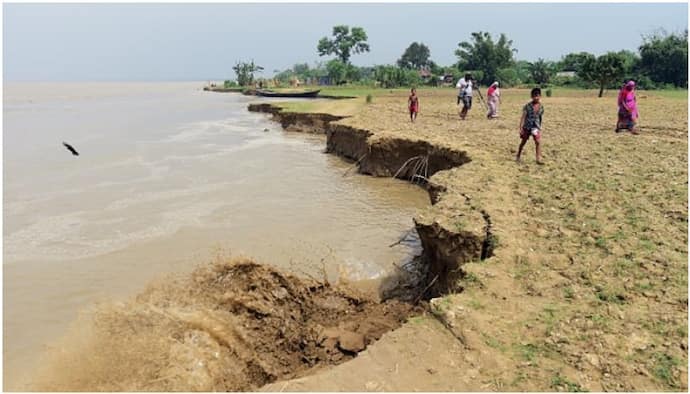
{"points": [[353, 73], [630, 61], [344, 43], [245, 72], [508, 77], [337, 70], [607, 70], [574, 61], [664, 58], [485, 55], [394, 77], [415, 56], [301, 69], [541, 71]]}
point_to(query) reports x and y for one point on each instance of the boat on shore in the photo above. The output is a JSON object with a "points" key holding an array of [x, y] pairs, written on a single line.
{"points": [[223, 90], [271, 93]]}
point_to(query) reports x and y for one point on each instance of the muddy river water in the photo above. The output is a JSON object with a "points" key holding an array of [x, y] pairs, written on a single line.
{"points": [[169, 177]]}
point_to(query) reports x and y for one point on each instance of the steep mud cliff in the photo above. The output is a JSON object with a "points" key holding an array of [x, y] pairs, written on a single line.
{"points": [[293, 121], [445, 249]]}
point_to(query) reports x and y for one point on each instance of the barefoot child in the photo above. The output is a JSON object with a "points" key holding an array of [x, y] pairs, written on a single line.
{"points": [[413, 104], [530, 123]]}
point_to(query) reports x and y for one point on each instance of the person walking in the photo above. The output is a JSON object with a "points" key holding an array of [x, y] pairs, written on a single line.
{"points": [[531, 124], [413, 104], [627, 109], [493, 98], [464, 86]]}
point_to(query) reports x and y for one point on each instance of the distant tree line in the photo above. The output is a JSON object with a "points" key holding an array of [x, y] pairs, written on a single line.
{"points": [[661, 62]]}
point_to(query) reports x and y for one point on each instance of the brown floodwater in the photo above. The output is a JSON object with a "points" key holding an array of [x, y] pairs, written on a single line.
{"points": [[169, 177]]}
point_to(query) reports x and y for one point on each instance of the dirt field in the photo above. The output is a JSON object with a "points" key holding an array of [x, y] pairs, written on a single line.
{"points": [[587, 288]]}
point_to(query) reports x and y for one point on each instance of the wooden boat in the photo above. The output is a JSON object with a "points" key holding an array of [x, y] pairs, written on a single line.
{"points": [[270, 93]]}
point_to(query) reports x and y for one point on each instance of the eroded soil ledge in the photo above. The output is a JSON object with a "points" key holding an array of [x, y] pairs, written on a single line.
{"points": [[445, 250], [234, 325]]}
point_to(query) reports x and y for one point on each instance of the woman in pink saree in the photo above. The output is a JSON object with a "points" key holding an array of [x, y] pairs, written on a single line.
{"points": [[627, 109], [493, 98]]}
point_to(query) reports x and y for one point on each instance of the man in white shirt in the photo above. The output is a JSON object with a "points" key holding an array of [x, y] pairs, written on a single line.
{"points": [[464, 86]]}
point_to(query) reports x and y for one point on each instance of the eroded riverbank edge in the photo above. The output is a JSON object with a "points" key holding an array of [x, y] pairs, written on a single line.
{"points": [[448, 247], [445, 249]]}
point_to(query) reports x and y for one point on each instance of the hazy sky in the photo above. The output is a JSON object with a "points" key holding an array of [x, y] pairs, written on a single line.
{"points": [[134, 42]]}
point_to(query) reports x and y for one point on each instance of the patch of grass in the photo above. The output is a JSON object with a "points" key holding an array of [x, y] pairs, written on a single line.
{"points": [[623, 267], [492, 242], [561, 382], [474, 304], [523, 268], [644, 285], [369, 98], [663, 368], [665, 330], [632, 217], [549, 315], [610, 295], [586, 277], [618, 236], [441, 306], [524, 179], [593, 224], [601, 244], [360, 91], [600, 321], [568, 293], [647, 244], [350, 91], [335, 107], [494, 343], [679, 94], [298, 106], [471, 278], [527, 352]]}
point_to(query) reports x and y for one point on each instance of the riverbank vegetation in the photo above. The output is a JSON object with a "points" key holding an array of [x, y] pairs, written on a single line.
{"points": [[659, 63]]}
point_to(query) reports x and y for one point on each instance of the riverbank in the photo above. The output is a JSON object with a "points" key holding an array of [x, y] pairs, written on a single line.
{"points": [[583, 284], [187, 177], [247, 91]]}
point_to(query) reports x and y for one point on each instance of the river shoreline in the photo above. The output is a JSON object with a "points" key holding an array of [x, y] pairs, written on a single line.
{"points": [[539, 250], [415, 161], [295, 226]]}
